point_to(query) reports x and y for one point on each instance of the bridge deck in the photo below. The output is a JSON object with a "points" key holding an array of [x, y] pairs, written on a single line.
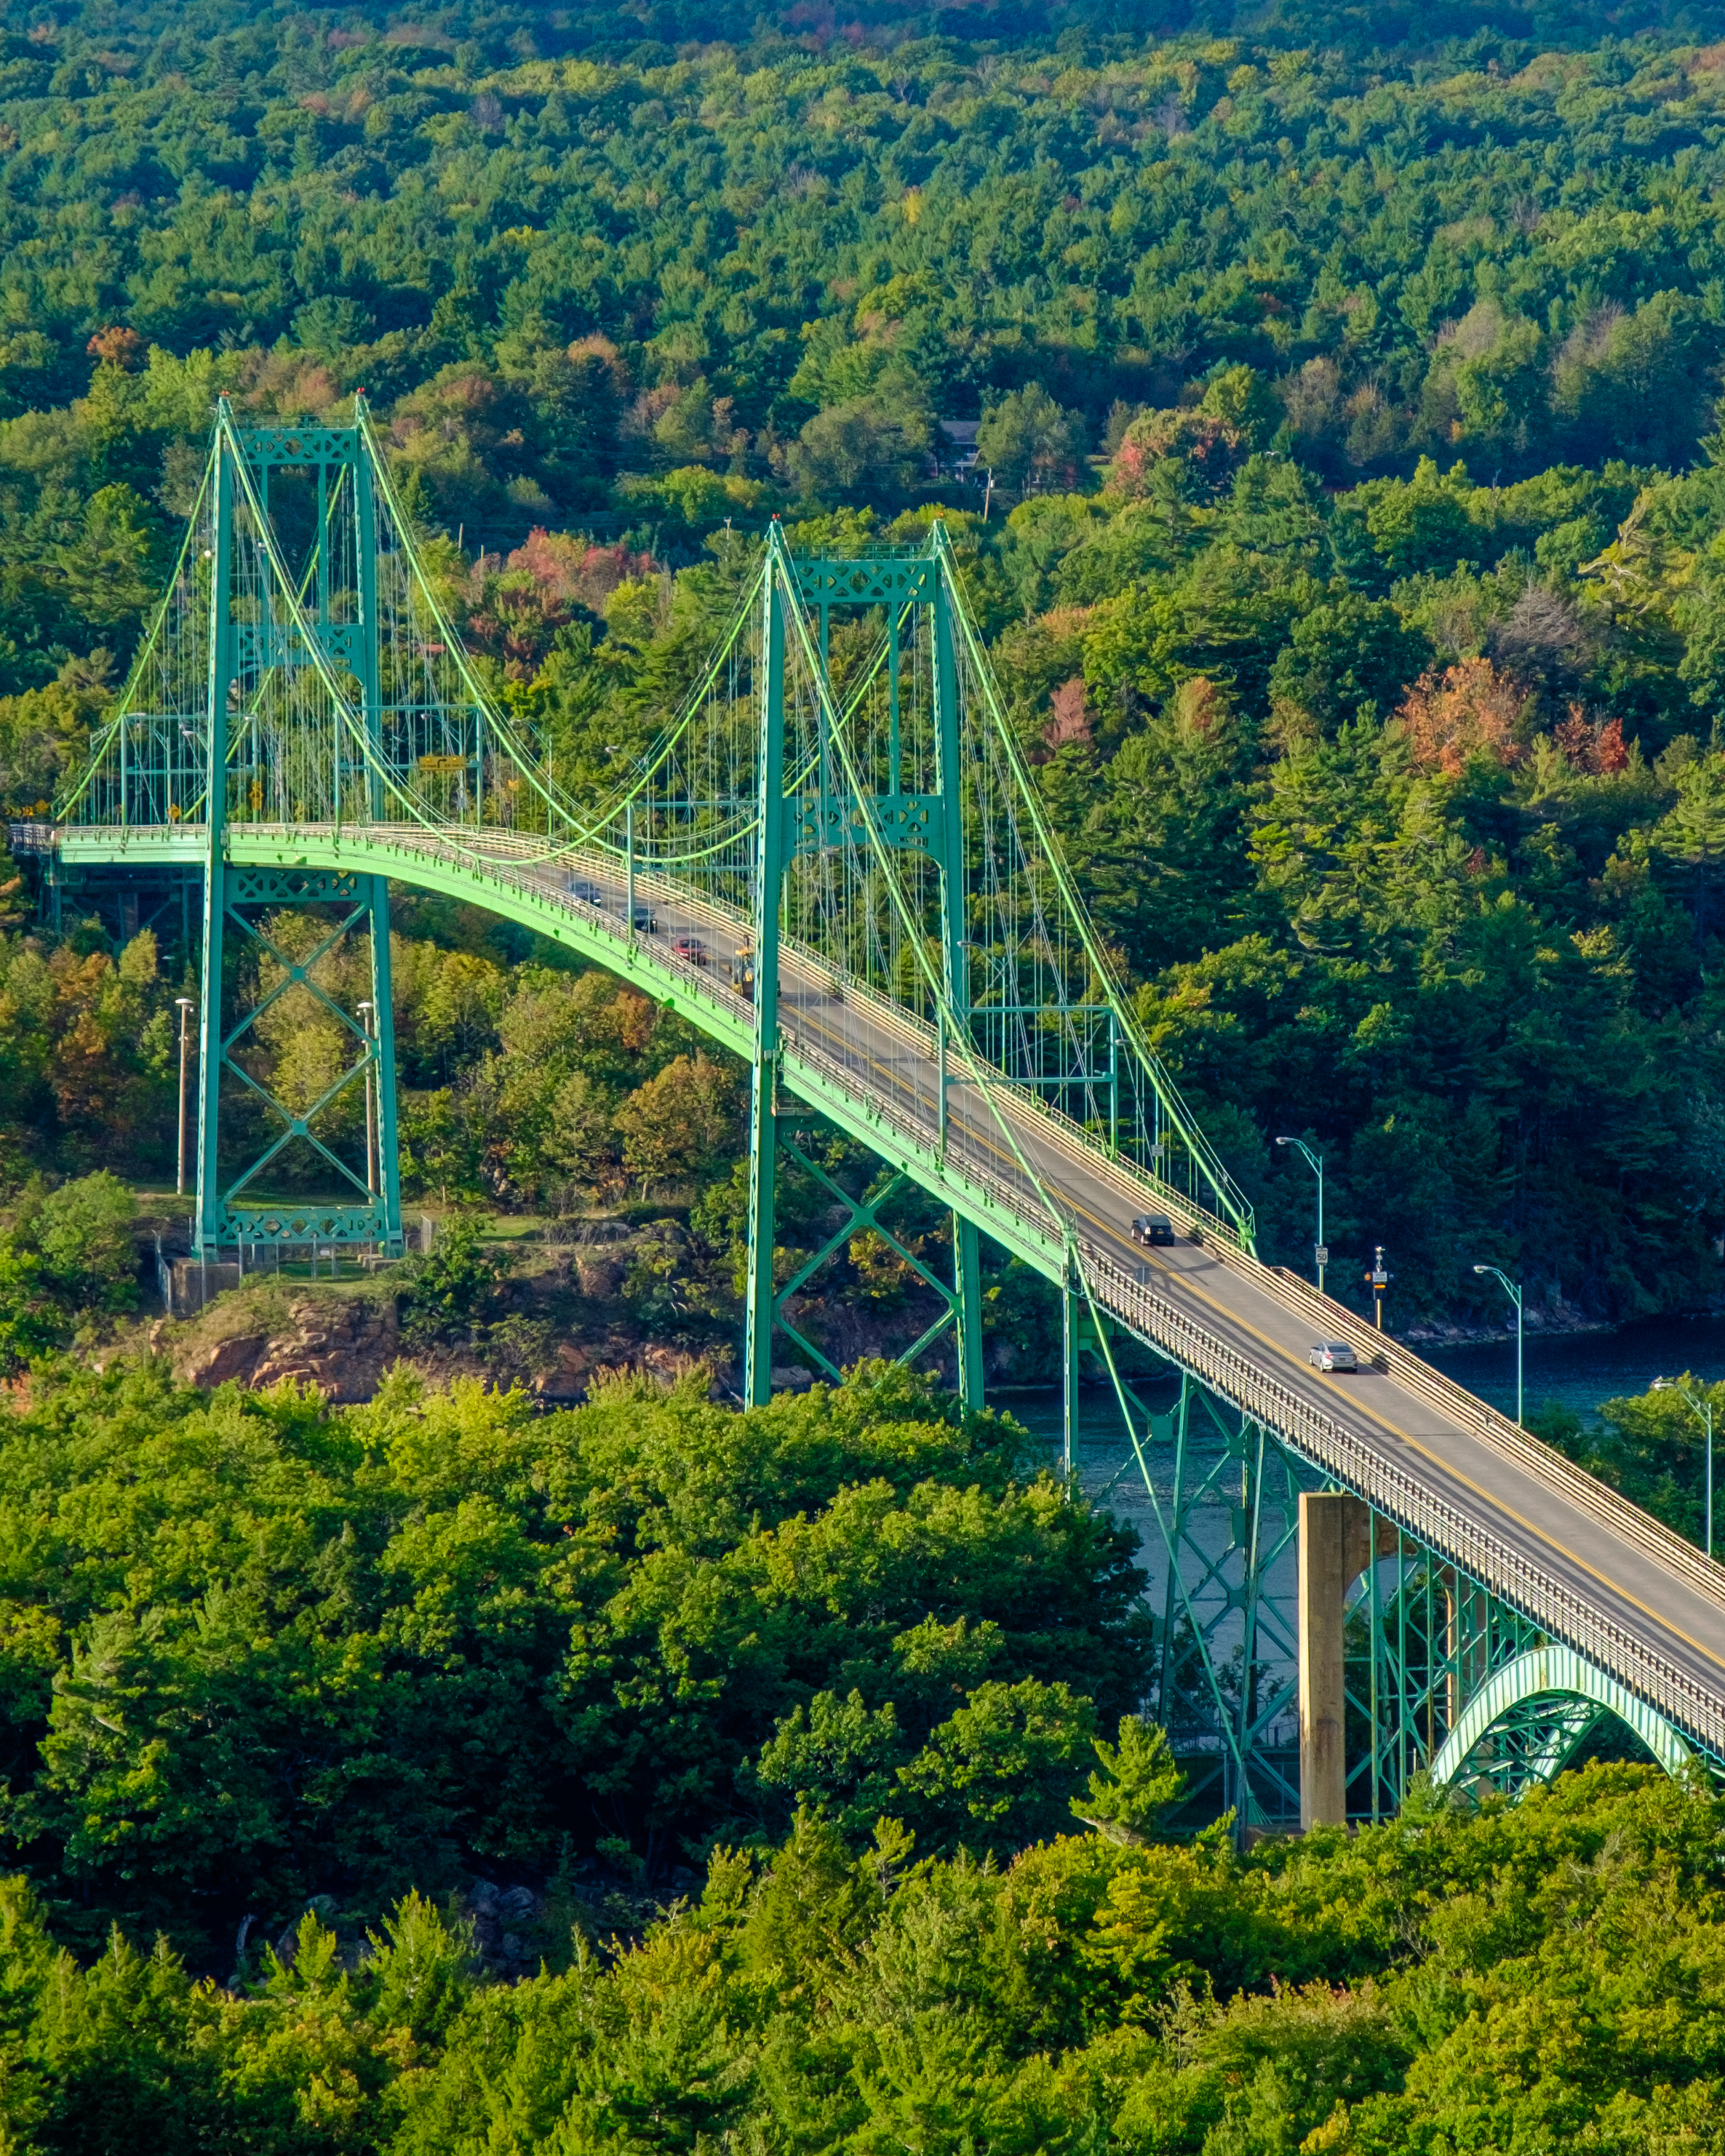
{"points": [[1420, 1457], [1588, 1569]]}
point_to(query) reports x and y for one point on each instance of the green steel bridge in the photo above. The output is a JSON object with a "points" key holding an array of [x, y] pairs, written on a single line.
{"points": [[834, 861]]}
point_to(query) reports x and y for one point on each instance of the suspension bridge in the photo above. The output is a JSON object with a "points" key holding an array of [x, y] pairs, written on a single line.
{"points": [[833, 860]]}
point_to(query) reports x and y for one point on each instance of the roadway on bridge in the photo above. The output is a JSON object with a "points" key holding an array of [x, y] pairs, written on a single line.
{"points": [[1677, 1612], [1516, 1517]]}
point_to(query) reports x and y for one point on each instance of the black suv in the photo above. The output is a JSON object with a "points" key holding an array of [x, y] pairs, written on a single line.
{"points": [[1152, 1227]]}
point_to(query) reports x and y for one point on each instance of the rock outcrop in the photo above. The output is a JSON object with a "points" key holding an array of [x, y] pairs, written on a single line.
{"points": [[343, 1348]]}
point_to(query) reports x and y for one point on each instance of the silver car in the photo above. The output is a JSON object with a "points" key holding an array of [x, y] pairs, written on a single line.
{"points": [[1332, 1355]]}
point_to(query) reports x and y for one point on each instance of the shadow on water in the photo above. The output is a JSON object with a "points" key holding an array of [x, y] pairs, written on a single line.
{"points": [[1108, 1467]]}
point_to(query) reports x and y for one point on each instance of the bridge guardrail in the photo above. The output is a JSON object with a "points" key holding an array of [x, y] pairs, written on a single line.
{"points": [[1543, 1462], [694, 979], [1135, 1182], [1542, 1599], [1648, 1535]]}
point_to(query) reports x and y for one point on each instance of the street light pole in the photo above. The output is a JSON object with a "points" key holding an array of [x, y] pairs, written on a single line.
{"points": [[184, 1004], [1703, 1411], [629, 826], [1514, 1294], [1315, 1162]]}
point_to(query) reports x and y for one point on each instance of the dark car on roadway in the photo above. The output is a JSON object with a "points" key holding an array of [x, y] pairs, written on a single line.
{"points": [[589, 894], [1152, 1227]]}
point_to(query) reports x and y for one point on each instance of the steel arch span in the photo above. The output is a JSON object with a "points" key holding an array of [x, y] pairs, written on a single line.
{"points": [[1525, 1722]]}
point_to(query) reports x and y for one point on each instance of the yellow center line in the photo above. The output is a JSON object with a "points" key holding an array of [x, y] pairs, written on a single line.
{"points": [[1371, 1414], [1282, 1354], [1375, 1414]]}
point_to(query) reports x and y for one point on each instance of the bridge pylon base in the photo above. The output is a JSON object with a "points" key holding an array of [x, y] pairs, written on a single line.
{"points": [[236, 1207], [770, 1305]]}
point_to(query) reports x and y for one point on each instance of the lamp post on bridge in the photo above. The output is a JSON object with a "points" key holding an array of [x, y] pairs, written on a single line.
{"points": [[1514, 1293], [1315, 1162], [1703, 1410]]}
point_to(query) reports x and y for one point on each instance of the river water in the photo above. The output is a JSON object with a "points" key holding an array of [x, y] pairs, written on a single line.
{"points": [[1580, 1369]]}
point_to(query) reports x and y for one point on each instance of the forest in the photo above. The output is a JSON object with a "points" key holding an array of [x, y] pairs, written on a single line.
{"points": [[1344, 530], [450, 1770], [440, 1776]]}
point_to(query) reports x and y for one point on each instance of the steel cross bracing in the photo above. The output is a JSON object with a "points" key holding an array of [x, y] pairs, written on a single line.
{"points": [[835, 862]]}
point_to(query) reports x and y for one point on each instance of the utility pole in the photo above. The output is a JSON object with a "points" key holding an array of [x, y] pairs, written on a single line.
{"points": [[1514, 1294], [183, 1004]]}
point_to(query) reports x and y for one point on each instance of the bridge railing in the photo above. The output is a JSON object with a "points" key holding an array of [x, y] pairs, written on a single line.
{"points": [[508, 859], [1136, 1185], [1545, 1600], [1552, 1467]]}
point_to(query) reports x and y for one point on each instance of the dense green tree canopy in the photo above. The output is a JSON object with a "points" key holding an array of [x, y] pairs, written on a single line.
{"points": [[257, 1651], [1348, 556], [1539, 1977]]}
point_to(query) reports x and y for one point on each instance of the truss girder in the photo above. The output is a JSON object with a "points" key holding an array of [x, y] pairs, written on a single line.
{"points": [[1555, 1678]]}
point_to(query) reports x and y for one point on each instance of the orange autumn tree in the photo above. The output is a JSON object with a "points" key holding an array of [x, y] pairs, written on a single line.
{"points": [[1468, 711], [1598, 750]]}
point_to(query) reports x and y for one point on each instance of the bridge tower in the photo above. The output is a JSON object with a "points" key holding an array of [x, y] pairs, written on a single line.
{"points": [[313, 486], [823, 815]]}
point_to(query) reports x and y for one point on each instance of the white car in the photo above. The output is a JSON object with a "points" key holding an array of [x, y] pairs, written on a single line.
{"points": [[1332, 1355]]}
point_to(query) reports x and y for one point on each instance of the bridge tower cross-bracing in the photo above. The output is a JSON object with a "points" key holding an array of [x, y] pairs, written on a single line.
{"points": [[832, 857], [252, 645], [929, 823]]}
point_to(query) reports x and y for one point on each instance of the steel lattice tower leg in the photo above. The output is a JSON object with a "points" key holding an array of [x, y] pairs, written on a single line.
{"points": [[769, 880], [383, 1053], [955, 957], [207, 1230], [968, 1284], [1071, 1340]]}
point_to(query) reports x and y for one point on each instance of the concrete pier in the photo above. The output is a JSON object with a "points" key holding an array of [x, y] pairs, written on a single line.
{"points": [[1324, 1537]]}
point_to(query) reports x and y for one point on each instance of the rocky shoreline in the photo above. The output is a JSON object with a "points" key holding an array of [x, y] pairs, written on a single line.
{"points": [[1547, 1321], [571, 1316]]}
